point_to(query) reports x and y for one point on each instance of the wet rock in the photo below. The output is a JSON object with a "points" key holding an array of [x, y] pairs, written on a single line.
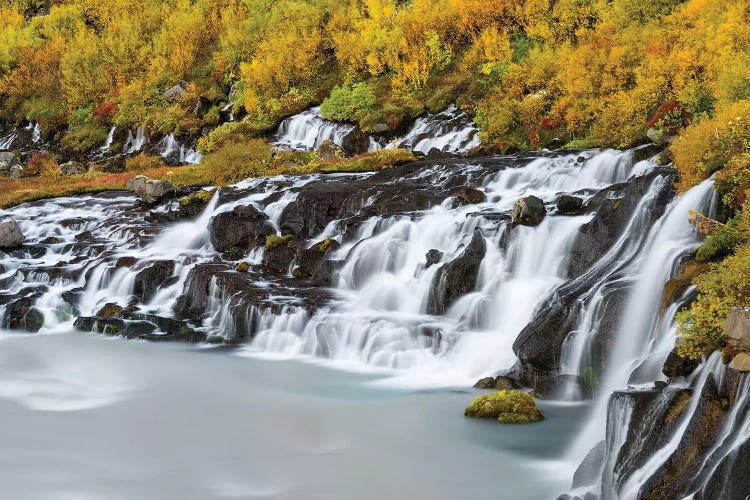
{"points": [[569, 205], [125, 262], [194, 300], [8, 160], [329, 151], [150, 190], [202, 105], [737, 328], [22, 315], [316, 205], [10, 235], [741, 362], [677, 286], [242, 227], [324, 274], [151, 278], [676, 366], [233, 254], [458, 277], [311, 258], [109, 310], [355, 142], [279, 254], [466, 195], [242, 267], [562, 387], [485, 383], [433, 257], [500, 383], [529, 211]]}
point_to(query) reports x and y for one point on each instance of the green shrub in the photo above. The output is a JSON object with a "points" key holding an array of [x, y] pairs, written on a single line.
{"points": [[721, 243], [235, 161], [351, 104]]}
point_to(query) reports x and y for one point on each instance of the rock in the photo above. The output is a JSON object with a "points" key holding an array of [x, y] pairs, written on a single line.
{"points": [[16, 172], [529, 211], [316, 205], [174, 92], [109, 310], [677, 286], [72, 168], [676, 366], [381, 128], [485, 383], [466, 195], [311, 258], [562, 387], [10, 235], [508, 407], [149, 190], [22, 315], [194, 300], [355, 142], [736, 327], [458, 277], [280, 253], [242, 227], [433, 257], [8, 160], [324, 274], [329, 151], [741, 362], [151, 278], [567, 204], [202, 105]]}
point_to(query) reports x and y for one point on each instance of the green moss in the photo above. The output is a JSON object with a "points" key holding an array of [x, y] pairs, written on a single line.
{"points": [[508, 407], [720, 243], [242, 267], [200, 198], [276, 241]]}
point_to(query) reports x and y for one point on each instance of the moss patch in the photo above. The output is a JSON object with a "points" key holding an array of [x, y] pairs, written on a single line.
{"points": [[508, 407]]}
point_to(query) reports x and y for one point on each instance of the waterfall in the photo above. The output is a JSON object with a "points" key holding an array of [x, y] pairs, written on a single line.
{"points": [[108, 142], [171, 150], [450, 131], [308, 130], [133, 144], [7, 141], [36, 133]]}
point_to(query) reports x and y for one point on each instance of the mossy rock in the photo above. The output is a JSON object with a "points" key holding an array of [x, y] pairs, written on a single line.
{"points": [[310, 259], [242, 267], [200, 198], [276, 241], [508, 407]]}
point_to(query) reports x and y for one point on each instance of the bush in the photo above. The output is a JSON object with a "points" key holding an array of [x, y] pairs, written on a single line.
{"points": [[85, 137], [235, 161], [508, 407], [141, 162], [350, 104], [42, 164], [721, 243]]}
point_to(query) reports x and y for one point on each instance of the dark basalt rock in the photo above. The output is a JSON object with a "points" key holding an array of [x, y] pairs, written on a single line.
{"points": [[194, 300], [676, 366], [279, 255], [562, 387], [529, 211], [243, 227], [316, 205], [433, 257], [458, 277], [355, 142], [22, 315], [311, 258], [569, 205], [150, 279], [466, 195]]}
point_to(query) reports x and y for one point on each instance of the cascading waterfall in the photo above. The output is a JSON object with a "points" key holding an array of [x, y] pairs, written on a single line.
{"points": [[108, 142], [135, 143], [308, 130], [171, 149], [7, 141]]}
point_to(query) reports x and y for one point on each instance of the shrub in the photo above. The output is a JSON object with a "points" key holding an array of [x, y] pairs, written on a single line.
{"points": [[85, 137], [701, 327], [351, 104], [669, 119], [720, 243], [42, 164], [235, 161], [142, 162]]}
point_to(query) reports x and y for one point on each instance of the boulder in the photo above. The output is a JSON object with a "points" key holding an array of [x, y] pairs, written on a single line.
{"points": [[508, 407], [311, 258], [279, 254], [485, 383], [16, 172], [737, 328], [741, 362], [499, 383], [529, 211], [151, 278], [149, 190], [381, 128], [329, 151], [355, 142], [466, 195], [433, 257], [567, 204], [242, 227], [109, 310], [676, 366], [458, 277], [10, 235], [677, 286], [22, 315], [72, 168], [8, 160]]}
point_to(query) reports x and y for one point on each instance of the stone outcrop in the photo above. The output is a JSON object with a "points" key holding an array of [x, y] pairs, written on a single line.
{"points": [[150, 190], [10, 235], [529, 211], [737, 328], [8, 160], [243, 227], [457, 277]]}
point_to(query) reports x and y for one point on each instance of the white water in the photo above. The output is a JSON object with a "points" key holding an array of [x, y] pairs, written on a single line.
{"points": [[450, 131], [170, 148], [308, 130], [135, 143], [36, 133], [108, 142], [7, 141]]}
